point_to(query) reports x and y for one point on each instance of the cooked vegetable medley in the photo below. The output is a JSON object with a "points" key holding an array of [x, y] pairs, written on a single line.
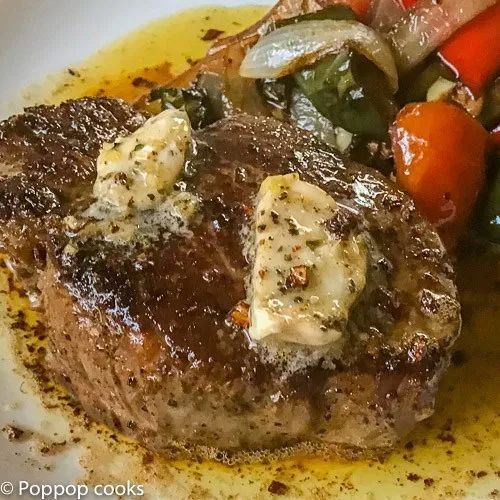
{"points": [[410, 87]]}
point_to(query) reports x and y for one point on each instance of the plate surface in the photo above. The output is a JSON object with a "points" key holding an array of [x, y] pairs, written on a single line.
{"points": [[40, 37]]}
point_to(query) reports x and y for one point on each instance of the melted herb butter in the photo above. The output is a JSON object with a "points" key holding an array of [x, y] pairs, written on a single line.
{"points": [[138, 171], [303, 280], [152, 55], [135, 178]]}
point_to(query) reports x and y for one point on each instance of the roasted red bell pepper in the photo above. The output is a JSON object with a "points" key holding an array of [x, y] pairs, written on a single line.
{"points": [[474, 50], [440, 158]]}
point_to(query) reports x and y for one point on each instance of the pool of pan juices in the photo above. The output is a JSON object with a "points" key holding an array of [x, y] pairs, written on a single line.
{"points": [[455, 453]]}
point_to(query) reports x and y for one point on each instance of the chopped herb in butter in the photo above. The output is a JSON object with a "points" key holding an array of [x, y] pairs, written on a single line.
{"points": [[133, 192], [137, 172], [304, 279]]}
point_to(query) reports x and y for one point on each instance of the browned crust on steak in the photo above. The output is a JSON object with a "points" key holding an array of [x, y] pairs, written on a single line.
{"points": [[134, 388], [140, 335], [47, 167]]}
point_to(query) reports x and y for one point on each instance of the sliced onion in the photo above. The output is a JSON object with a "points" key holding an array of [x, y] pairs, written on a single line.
{"points": [[288, 49], [385, 14], [440, 90], [424, 28]]}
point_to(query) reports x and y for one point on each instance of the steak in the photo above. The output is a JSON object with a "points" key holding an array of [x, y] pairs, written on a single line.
{"points": [[47, 167], [142, 334]]}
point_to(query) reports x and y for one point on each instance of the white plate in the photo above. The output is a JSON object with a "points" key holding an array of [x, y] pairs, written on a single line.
{"points": [[38, 37]]}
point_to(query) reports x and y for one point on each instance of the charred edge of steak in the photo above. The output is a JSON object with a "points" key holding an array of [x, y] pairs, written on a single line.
{"points": [[47, 167]]}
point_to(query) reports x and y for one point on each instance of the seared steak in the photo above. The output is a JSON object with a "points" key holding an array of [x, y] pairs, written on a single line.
{"points": [[142, 336], [47, 166]]}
